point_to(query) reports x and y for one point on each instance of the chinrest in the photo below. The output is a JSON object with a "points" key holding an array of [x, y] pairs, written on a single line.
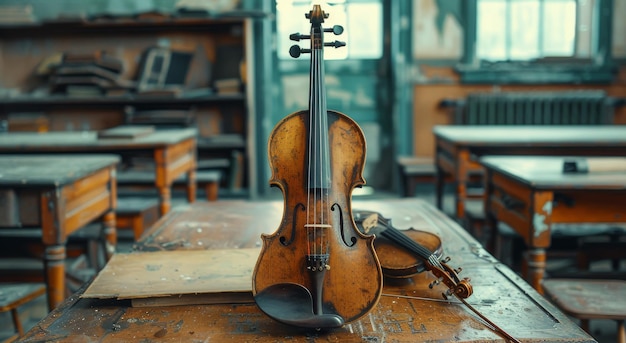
{"points": [[292, 304]]}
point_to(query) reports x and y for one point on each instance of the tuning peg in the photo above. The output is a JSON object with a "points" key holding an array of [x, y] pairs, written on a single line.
{"points": [[446, 259], [297, 37], [295, 51], [336, 44], [337, 30], [458, 270], [434, 283]]}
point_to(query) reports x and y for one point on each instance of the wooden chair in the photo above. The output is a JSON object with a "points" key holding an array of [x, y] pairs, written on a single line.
{"points": [[14, 295], [414, 170], [136, 214], [590, 299], [22, 256]]}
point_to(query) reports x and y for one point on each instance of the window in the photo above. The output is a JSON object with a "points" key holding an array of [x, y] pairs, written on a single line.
{"points": [[526, 36], [525, 29], [362, 22]]}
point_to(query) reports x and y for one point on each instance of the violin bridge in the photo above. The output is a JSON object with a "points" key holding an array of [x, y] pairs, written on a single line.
{"points": [[317, 226], [317, 238]]}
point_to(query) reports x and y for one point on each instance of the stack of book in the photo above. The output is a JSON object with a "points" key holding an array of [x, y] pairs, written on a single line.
{"points": [[88, 75]]}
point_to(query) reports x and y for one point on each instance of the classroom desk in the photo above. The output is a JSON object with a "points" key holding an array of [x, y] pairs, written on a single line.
{"points": [[459, 147], [173, 153], [59, 194], [531, 194], [409, 311]]}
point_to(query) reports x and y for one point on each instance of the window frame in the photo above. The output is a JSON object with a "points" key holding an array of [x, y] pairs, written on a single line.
{"points": [[598, 69]]}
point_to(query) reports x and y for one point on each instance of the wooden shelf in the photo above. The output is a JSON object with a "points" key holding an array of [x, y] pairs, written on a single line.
{"points": [[24, 103], [219, 49], [119, 25]]}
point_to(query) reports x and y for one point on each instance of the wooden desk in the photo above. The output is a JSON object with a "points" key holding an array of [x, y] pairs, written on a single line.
{"points": [[59, 194], [407, 312], [173, 152], [459, 147], [531, 194]]}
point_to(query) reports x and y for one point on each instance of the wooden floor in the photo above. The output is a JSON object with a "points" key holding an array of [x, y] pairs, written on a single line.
{"points": [[30, 314]]}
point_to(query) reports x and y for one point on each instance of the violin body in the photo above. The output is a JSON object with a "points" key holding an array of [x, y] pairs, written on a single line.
{"points": [[353, 283], [317, 270], [398, 263]]}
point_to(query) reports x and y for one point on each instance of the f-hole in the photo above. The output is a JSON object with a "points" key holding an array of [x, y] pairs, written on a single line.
{"points": [[284, 241], [352, 240]]}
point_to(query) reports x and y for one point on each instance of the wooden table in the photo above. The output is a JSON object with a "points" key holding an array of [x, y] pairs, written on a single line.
{"points": [[173, 153], [531, 194], [59, 194], [407, 312], [459, 147]]}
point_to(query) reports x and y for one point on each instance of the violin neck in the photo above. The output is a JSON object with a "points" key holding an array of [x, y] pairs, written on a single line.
{"points": [[319, 151]]}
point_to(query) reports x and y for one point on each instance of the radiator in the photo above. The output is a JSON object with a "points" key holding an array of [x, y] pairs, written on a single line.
{"points": [[536, 108]]}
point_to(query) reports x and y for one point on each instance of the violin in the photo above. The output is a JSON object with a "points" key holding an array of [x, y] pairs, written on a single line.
{"points": [[404, 253], [317, 270]]}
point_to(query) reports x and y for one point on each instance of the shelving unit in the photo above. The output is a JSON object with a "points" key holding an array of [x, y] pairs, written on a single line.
{"points": [[223, 120]]}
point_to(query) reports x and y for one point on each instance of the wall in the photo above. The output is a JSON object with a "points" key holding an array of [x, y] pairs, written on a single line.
{"points": [[437, 47]]}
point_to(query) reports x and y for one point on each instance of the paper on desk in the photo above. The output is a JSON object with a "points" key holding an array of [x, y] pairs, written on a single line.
{"points": [[177, 277]]}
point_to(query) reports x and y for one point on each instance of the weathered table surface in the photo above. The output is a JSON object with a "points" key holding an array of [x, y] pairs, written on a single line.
{"points": [[459, 147], [173, 152], [59, 194], [77, 141], [407, 312], [531, 194]]}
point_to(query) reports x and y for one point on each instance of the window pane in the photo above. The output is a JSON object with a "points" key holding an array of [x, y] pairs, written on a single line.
{"points": [[290, 19], [491, 30], [524, 30], [559, 28], [521, 30], [365, 30]]}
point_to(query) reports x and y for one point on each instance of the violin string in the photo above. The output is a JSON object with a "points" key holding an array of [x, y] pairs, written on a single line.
{"points": [[411, 245], [310, 155], [324, 146], [320, 141], [315, 115]]}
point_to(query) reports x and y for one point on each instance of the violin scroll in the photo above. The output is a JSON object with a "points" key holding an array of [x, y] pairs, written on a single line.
{"points": [[316, 17], [456, 286]]}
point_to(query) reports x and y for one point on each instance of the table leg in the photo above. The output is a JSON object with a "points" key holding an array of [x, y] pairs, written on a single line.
{"points": [[459, 199], [109, 232], [462, 171], [165, 199], [439, 187], [534, 272], [54, 261], [191, 185]]}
